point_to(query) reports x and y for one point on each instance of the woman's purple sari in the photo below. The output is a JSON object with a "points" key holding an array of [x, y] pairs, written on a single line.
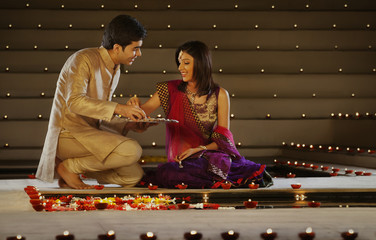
{"points": [[205, 169]]}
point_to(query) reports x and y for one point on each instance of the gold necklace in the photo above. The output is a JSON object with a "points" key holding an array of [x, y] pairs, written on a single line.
{"points": [[193, 95]]}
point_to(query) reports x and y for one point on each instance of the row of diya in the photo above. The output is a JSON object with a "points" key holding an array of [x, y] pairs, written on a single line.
{"points": [[322, 167], [309, 234], [126, 203], [328, 148]]}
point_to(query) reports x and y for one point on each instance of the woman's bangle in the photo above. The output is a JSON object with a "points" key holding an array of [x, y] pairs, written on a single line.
{"points": [[203, 147]]}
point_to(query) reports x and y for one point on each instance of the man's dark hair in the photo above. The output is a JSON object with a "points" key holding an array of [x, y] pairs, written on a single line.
{"points": [[202, 68], [122, 30]]}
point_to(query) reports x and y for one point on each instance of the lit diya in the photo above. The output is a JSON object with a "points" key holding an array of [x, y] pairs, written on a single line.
{"points": [[152, 187], [290, 175], [226, 185], [230, 235], [65, 236], [348, 171], [314, 204], [367, 174], [324, 168], [253, 186], [182, 186], [183, 205], [349, 235], [18, 237], [109, 236], [250, 203], [100, 205], [307, 235], [148, 236], [359, 173], [192, 235], [268, 235]]}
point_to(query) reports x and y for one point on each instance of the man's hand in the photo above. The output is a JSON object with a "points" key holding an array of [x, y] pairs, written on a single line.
{"points": [[139, 127], [130, 111]]}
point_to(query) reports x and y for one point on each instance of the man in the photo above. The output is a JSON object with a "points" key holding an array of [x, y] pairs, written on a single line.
{"points": [[75, 142]]}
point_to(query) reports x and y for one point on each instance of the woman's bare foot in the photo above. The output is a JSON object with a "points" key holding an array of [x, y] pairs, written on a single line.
{"points": [[70, 179]]}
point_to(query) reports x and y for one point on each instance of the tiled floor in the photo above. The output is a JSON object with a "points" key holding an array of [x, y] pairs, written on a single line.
{"points": [[18, 217]]}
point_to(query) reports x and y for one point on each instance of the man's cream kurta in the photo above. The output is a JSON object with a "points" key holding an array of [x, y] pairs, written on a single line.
{"points": [[82, 100]]}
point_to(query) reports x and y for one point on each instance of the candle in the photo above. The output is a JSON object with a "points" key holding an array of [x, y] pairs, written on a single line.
{"points": [[66, 236], [192, 235], [109, 236], [307, 235], [269, 234], [349, 235], [148, 236], [230, 235]]}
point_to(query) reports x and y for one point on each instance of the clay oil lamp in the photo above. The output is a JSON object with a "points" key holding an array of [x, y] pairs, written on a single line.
{"points": [[100, 205], [110, 235], [290, 175], [182, 186], [192, 235], [183, 205], [314, 204], [65, 236], [269, 234], [250, 203], [333, 174], [307, 235], [230, 235], [349, 235], [253, 186], [348, 171], [359, 173], [324, 168], [148, 236], [98, 187], [226, 185], [18, 237], [152, 187], [296, 185], [335, 169], [367, 173]]}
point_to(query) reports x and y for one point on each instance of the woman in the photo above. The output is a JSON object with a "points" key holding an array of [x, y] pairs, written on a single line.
{"points": [[200, 148]]}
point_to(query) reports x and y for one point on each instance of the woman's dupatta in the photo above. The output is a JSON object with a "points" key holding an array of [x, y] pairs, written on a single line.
{"points": [[185, 134]]}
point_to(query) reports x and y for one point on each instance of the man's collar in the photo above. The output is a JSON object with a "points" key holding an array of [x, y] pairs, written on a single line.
{"points": [[107, 59]]}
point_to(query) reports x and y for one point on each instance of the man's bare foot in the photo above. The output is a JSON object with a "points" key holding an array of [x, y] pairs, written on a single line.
{"points": [[70, 179]]}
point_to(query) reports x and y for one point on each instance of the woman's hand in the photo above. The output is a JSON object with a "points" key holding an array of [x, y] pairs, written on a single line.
{"points": [[187, 153], [134, 101]]}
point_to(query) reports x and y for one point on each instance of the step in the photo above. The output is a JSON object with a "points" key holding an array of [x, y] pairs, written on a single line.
{"points": [[241, 108], [364, 160], [293, 40], [93, 19], [267, 62], [196, 5], [241, 85]]}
